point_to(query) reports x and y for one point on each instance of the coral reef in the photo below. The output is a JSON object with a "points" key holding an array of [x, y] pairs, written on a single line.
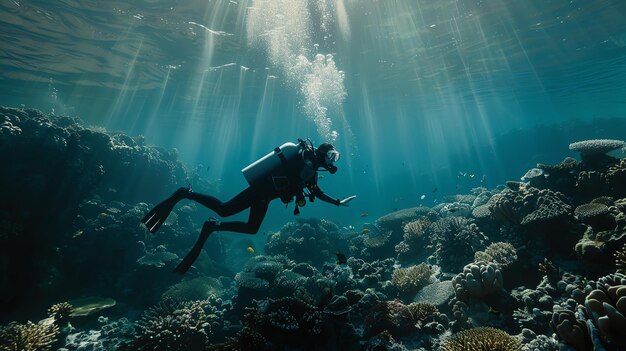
{"points": [[457, 240], [176, 325], [306, 240], [501, 253], [412, 279], [607, 306], [481, 339], [28, 337], [477, 280]]}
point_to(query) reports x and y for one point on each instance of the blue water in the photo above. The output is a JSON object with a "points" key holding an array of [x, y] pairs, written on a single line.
{"points": [[422, 98]]}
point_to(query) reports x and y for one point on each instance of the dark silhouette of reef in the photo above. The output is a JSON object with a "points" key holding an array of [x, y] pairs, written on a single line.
{"points": [[536, 264]]}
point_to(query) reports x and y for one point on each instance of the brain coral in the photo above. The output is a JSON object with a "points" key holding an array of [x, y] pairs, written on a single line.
{"points": [[481, 339]]}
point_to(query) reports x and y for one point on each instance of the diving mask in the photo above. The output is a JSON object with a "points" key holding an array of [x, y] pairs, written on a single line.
{"points": [[332, 156]]}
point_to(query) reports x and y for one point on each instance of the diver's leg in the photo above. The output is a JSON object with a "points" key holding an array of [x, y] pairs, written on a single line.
{"points": [[257, 214], [235, 205], [157, 216]]}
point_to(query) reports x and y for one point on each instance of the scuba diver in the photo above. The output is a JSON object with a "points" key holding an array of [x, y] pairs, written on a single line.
{"points": [[288, 172]]}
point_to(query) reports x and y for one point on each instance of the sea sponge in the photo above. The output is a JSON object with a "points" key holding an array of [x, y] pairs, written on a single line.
{"points": [[29, 336], [481, 339], [412, 279], [477, 280]]}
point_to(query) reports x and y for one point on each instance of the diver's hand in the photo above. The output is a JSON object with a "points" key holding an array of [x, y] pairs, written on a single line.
{"points": [[344, 202]]}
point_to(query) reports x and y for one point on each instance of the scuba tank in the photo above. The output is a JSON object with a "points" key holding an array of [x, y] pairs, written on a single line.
{"points": [[269, 163]]}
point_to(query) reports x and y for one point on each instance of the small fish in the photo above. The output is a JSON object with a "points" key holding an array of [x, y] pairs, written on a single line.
{"points": [[493, 310], [363, 215], [452, 209], [365, 231], [341, 258], [435, 190], [422, 197], [320, 177], [250, 249]]}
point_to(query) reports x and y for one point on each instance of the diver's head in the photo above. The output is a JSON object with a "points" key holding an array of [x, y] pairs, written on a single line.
{"points": [[327, 156]]}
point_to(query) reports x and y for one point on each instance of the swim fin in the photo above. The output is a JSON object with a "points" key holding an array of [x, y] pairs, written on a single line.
{"points": [[157, 216], [209, 227]]}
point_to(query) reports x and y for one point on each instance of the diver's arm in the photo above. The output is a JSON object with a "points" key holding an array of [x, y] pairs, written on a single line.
{"points": [[322, 196], [339, 202]]}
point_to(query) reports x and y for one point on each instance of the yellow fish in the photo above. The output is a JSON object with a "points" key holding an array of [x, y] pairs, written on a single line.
{"points": [[250, 249], [365, 231]]}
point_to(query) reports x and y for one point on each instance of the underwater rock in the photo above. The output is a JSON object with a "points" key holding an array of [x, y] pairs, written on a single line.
{"points": [[110, 336]]}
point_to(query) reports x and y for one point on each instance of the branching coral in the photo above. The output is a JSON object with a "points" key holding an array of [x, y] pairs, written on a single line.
{"points": [[481, 339], [60, 311], [174, 325], [501, 253], [29, 336], [412, 279]]}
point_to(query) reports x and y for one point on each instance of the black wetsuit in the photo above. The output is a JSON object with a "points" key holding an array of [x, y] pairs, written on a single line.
{"points": [[285, 183]]}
